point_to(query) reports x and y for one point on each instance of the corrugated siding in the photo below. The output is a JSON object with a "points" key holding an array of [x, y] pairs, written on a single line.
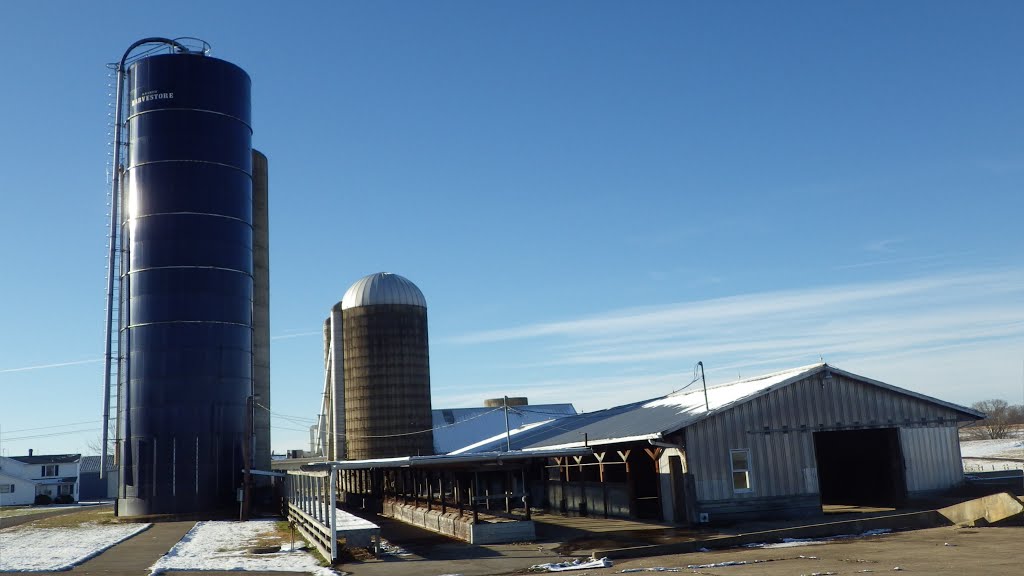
{"points": [[932, 458], [782, 460]]}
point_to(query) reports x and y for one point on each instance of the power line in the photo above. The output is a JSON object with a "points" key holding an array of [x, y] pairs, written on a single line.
{"points": [[388, 435], [53, 426], [7, 439]]}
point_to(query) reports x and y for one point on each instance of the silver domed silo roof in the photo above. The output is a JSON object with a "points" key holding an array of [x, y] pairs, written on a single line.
{"points": [[383, 288]]}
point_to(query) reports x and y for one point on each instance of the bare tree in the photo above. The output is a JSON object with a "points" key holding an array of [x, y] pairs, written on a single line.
{"points": [[1016, 414], [998, 422], [93, 446]]}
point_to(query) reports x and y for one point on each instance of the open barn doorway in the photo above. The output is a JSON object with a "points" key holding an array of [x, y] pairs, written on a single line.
{"points": [[860, 468]]}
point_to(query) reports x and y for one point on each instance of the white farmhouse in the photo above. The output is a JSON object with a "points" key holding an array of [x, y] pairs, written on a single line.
{"points": [[22, 478]]}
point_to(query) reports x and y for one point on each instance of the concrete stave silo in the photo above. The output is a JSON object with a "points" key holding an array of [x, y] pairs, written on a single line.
{"points": [[261, 311], [386, 385]]}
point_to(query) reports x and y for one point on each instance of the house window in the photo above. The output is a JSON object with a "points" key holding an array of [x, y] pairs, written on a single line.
{"points": [[66, 489], [740, 470], [6, 488], [50, 470]]}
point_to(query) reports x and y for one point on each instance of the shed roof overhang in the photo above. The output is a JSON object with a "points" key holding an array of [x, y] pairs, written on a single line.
{"points": [[445, 460]]}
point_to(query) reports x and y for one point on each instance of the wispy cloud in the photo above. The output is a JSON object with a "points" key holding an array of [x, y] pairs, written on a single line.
{"points": [[903, 260], [822, 303], [1001, 166], [748, 334], [289, 334], [885, 245]]}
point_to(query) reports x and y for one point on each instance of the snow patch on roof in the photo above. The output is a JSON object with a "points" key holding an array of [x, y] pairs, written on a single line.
{"points": [[501, 436], [692, 399], [456, 428]]}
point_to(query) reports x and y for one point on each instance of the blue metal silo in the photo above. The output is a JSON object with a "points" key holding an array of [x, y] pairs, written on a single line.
{"points": [[186, 285]]}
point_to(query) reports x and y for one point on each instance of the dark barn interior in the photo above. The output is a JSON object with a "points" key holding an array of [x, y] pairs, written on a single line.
{"points": [[860, 467]]}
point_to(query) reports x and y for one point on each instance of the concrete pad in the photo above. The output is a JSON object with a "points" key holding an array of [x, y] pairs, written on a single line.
{"points": [[907, 521], [989, 509]]}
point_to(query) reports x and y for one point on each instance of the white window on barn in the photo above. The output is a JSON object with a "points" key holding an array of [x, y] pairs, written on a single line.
{"points": [[741, 470], [6, 488]]}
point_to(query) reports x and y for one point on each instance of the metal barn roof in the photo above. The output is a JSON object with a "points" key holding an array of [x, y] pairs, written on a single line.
{"points": [[91, 464], [655, 418], [48, 459], [383, 288], [455, 428]]}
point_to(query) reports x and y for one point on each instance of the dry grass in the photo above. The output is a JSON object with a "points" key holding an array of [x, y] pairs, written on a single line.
{"points": [[12, 511], [282, 534], [95, 515]]}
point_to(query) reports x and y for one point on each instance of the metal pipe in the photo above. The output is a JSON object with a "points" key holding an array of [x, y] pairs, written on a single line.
{"points": [[115, 189], [334, 517], [508, 435], [115, 179], [707, 406]]}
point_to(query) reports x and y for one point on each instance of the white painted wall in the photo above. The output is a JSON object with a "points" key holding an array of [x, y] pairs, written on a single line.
{"points": [[665, 478], [32, 472], [24, 491]]}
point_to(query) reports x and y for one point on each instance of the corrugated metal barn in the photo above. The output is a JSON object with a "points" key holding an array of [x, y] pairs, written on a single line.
{"points": [[779, 445]]}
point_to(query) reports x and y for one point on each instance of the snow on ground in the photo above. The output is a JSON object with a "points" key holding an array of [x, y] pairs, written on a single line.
{"points": [[792, 542], [1004, 448], [576, 564], [54, 549], [225, 546], [10, 512], [1005, 454]]}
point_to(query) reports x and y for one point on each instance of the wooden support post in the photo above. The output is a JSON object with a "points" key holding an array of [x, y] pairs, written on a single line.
{"points": [[507, 483], [458, 492], [584, 505], [430, 492], [526, 495], [624, 454], [563, 479], [655, 455], [321, 504], [472, 504], [440, 483]]}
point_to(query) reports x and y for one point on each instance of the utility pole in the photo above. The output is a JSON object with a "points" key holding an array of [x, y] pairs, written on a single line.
{"points": [[707, 406], [508, 435], [246, 502]]}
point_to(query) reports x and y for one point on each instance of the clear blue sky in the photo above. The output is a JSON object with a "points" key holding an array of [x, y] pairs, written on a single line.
{"points": [[593, 196]]}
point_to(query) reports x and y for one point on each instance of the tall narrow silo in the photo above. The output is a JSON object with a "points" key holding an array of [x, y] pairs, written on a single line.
{"points": [[386, 368], [333, 406], [336, 355], [189, 285], [261, 311]]}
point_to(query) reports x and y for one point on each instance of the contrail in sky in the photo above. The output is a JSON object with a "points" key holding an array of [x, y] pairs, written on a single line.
{"points": [[95, 360], [44, 366], [296, 335]]}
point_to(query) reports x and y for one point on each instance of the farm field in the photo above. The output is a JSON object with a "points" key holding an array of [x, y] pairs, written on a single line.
{"points": [[992, 455]]}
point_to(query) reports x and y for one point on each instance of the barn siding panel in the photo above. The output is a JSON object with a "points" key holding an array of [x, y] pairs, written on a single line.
{"points": [[932, 458]]}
